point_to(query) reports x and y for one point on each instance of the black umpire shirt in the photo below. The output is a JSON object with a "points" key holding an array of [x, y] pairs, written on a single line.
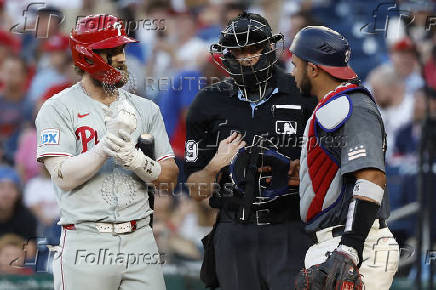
{"points": [[220, 109]]}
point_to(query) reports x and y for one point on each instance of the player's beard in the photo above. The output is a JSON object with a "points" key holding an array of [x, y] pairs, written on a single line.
{"points": [[110, 88], [124, 75], [305, 85]]}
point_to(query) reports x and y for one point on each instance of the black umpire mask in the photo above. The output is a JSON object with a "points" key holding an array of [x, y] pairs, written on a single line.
{"points": [[252, 78], [246, 30]]}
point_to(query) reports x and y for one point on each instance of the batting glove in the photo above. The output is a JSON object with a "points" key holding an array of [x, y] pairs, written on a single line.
{"points": [[120, 116], [125, 154], [105, 147]]}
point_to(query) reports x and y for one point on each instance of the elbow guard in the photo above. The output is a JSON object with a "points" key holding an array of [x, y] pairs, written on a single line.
{"points": [[368, 189]]}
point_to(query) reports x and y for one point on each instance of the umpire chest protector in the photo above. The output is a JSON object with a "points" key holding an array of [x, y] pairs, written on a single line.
{"points": [[220, 110]]}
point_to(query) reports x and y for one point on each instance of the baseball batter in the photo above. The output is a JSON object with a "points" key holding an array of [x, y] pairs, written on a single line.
{"points": [[87, 137], [342, 174]]}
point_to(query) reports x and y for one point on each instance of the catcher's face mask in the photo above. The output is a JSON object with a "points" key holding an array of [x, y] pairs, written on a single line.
{"points": [[269, 185], [251, 71]]}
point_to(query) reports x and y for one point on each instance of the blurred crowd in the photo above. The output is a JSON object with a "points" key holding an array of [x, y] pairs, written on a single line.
{"points": [[169, 65]]}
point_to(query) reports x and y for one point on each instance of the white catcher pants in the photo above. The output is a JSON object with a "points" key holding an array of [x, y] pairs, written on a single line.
{"points": [[381, 255]]}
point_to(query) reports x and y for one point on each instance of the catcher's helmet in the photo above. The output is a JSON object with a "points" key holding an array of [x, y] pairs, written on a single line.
{"points": [[97, 32], [326, 48], [248, 29]]}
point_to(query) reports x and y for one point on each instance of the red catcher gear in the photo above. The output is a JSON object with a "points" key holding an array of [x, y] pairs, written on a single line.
{"points": [[98, 32]]}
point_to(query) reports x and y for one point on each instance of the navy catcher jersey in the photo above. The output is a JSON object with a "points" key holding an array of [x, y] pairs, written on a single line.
{"points": [[349, 131]]}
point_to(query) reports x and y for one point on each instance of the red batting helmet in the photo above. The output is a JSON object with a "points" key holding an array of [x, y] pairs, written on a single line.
{"points": [[97, 32]]}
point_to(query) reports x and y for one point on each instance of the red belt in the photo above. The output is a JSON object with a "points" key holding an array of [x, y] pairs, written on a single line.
{"points": [[69, 227]]}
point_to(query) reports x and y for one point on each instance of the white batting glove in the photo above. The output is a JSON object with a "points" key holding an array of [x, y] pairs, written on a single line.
{"points": [[121, 148], [104, 148], [125, 154], [120, 116]]}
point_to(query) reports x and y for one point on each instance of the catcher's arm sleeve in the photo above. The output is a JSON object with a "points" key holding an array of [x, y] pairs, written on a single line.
{"points": [[69, 172]]}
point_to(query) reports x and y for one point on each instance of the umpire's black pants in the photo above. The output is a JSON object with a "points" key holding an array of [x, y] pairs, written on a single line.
{"points": [[259, 257]]}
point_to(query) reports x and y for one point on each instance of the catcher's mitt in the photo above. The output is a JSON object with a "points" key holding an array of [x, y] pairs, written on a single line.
{"points": [[268, 185], [338, 272]]}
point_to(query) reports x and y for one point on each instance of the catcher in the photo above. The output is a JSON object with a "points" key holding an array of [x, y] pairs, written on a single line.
{"points": [[342, 174], [87, 137]]}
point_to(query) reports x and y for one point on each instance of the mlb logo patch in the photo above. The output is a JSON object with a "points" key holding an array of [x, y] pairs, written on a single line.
{"points": [[286, 127], [50, 137]]}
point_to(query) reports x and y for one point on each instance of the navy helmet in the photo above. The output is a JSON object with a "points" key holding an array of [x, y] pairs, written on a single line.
{"points": [[325, 48]]}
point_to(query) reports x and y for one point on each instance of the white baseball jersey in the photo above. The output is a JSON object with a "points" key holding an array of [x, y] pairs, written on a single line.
{"points": [[71, 123]]}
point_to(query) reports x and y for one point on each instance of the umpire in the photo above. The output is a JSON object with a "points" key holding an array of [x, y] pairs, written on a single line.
{"points": [[262, 248]]}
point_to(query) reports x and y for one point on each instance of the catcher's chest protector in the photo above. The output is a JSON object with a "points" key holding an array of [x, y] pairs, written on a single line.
{"points": [[321, 179]]}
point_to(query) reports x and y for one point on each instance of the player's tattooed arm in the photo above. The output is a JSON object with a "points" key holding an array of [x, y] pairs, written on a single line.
{"points": [[70, 172], [168, 174]]}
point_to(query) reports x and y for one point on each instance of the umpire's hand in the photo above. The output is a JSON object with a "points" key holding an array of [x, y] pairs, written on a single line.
{"points": [[227, 149], [294, 173]]}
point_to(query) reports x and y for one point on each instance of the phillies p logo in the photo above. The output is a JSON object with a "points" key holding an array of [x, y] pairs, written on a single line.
{"points": [[86, 134]]}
